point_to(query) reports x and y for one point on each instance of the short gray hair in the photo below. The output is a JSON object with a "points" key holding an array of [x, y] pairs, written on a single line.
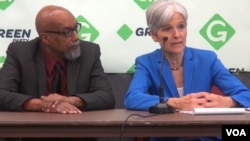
{"points": [[161, 11]]}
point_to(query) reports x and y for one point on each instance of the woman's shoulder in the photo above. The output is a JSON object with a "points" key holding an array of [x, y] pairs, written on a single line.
{"points": [[150, 54], [199, 51]]}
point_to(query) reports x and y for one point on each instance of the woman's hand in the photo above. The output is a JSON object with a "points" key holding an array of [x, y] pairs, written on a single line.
{"points": [[201, 100], [215, 100], [188, 102]]}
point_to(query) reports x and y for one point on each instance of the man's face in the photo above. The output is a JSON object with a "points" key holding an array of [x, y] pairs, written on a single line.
{"points": [[64, 42]]}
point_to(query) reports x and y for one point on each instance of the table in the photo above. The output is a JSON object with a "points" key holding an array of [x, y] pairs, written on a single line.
{"points": [[108, 123]]}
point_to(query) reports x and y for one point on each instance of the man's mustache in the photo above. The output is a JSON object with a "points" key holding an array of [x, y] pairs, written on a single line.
{"points": [[77, 43]]}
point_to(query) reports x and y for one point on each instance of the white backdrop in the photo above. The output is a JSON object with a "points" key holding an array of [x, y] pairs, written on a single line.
{"points": [[103, 19]]}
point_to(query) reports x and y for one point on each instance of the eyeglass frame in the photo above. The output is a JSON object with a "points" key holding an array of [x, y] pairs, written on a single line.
{"points": [[68, 31]]}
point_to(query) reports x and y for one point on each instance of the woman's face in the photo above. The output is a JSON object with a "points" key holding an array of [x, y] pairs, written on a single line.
{"points": [[176, 32]]}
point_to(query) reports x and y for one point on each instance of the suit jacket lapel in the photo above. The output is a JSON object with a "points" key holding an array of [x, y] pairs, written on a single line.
{"points": [[72, 74], [41, 71]]}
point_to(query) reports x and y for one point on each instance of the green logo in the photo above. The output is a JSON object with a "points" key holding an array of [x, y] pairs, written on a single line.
{"points": [[217, 31], [88, 32], [5, 3], [144, 4], [124, 32], [2, 59], [131, 69]]}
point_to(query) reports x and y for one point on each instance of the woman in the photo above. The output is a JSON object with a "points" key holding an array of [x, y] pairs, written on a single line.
{"points": [[187, 74]]}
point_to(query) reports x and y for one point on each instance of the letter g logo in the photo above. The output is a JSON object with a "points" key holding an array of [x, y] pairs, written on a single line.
{"points": [[217, 31]]}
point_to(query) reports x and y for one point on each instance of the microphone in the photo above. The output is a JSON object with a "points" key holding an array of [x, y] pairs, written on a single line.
{"points": [[165, 39], [161, 107]]}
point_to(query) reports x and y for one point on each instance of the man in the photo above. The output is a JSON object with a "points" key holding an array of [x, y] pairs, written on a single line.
{"points": [[27, 76]]}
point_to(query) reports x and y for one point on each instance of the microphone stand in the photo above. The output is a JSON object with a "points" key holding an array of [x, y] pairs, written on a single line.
{"points": [[162, 107]]}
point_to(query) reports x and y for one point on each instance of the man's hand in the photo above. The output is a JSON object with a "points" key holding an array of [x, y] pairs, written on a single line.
{"points": [[58, 103], [64, 108]]}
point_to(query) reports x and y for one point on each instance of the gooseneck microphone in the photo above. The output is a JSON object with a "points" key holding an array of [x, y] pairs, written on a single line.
{"points": [[161, 107], [161, 77]]}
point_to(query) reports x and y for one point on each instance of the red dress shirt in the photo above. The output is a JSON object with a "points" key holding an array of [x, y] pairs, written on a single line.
{"points": [[50, 62]]}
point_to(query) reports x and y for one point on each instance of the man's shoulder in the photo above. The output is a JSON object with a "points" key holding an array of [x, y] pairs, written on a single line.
{"points": [[24, 46], [30, 42], [87, 43]]}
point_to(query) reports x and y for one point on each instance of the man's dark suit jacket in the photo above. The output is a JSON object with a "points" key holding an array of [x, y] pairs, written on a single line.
{"points": [[23, 76]]}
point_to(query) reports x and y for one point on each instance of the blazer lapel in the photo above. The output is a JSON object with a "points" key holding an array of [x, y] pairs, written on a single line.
{"points": [[188, 66], [187, 74], [168, 80]]}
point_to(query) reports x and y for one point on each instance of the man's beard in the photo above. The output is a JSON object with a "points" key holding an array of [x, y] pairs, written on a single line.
{"points": [[73, 51]]}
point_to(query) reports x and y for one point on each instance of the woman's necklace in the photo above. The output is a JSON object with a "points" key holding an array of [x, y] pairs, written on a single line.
{"points": [[176, 68]]}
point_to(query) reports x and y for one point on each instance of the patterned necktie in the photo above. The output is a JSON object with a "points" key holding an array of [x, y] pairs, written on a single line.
{"points": [[57, 78]]}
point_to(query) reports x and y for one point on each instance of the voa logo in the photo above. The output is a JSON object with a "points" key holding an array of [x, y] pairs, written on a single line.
{"points": [[236, 132], [16, 34]]}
